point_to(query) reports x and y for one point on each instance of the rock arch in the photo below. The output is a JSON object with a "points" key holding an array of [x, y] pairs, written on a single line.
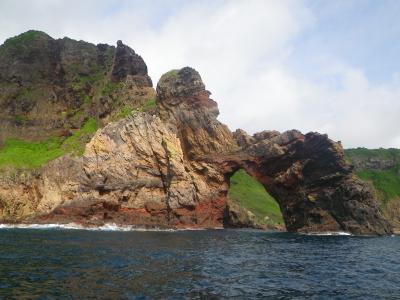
{"points": [[172, 169], [307, 174], [314, 186]]}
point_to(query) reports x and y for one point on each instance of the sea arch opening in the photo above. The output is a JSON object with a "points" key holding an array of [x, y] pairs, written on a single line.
{"points": [[249, 194]]}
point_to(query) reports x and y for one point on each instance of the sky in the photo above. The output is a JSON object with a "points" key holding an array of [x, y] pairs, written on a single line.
{"points": [[311, 65]]}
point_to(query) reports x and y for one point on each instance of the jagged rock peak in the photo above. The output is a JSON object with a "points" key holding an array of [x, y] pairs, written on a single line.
{"points": [[34, 56], [51, 86], [242, 138], [184, 103], [185, 82], [127, 62]]}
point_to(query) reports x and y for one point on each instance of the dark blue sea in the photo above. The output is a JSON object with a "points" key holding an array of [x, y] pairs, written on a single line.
{"points": [[210, 264]]}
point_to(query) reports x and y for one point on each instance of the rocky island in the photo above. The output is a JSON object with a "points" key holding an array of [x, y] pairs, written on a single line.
{"points": [[102, 146]]}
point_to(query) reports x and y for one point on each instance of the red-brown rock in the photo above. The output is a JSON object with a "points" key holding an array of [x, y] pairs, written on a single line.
{"points": [[172, 169]]}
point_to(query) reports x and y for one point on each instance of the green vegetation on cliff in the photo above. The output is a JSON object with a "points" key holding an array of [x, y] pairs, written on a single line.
{"points": [[23, 154], [125, 111], [18, 41], [169, 74], [251, 195], [380, 167], [75, 144], [386, 182], [111, 87], [364, 153]]}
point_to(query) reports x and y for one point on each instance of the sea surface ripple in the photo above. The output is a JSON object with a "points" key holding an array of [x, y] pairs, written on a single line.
{"points": [[57, 263]]}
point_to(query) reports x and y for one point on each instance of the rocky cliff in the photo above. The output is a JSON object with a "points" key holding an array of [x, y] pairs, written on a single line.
{"points": [[50, 87], [171, 166], [374, 159], [380, 168]]}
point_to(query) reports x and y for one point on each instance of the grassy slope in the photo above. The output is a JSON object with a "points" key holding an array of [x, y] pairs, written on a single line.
{"points": [[125, 111], [391, 153], [251, 195], [23, 154], [386, 182], [20, 154]]}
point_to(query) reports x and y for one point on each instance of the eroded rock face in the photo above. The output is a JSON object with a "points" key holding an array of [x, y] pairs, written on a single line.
{"points": [[172, 169], [139, 163], [315, 187], [133, 172], [374, 164], [48, 86], [127, 62], [27, 193], [185, 105]]}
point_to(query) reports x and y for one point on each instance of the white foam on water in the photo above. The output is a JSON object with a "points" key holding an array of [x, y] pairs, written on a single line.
{"points": [[105, 227], [329, 233], [74, 226]]}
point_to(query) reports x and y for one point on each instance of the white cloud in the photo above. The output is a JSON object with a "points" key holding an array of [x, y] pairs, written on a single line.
{"points": [[244, 52]]}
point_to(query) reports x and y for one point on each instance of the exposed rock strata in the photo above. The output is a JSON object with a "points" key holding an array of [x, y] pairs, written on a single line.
{"points": [[373, 164], [172, 169], [127, 62], [48, 86], [313, 184]]}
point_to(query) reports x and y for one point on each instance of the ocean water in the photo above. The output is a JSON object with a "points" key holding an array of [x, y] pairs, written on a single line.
{"points": [[57, 263]]}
